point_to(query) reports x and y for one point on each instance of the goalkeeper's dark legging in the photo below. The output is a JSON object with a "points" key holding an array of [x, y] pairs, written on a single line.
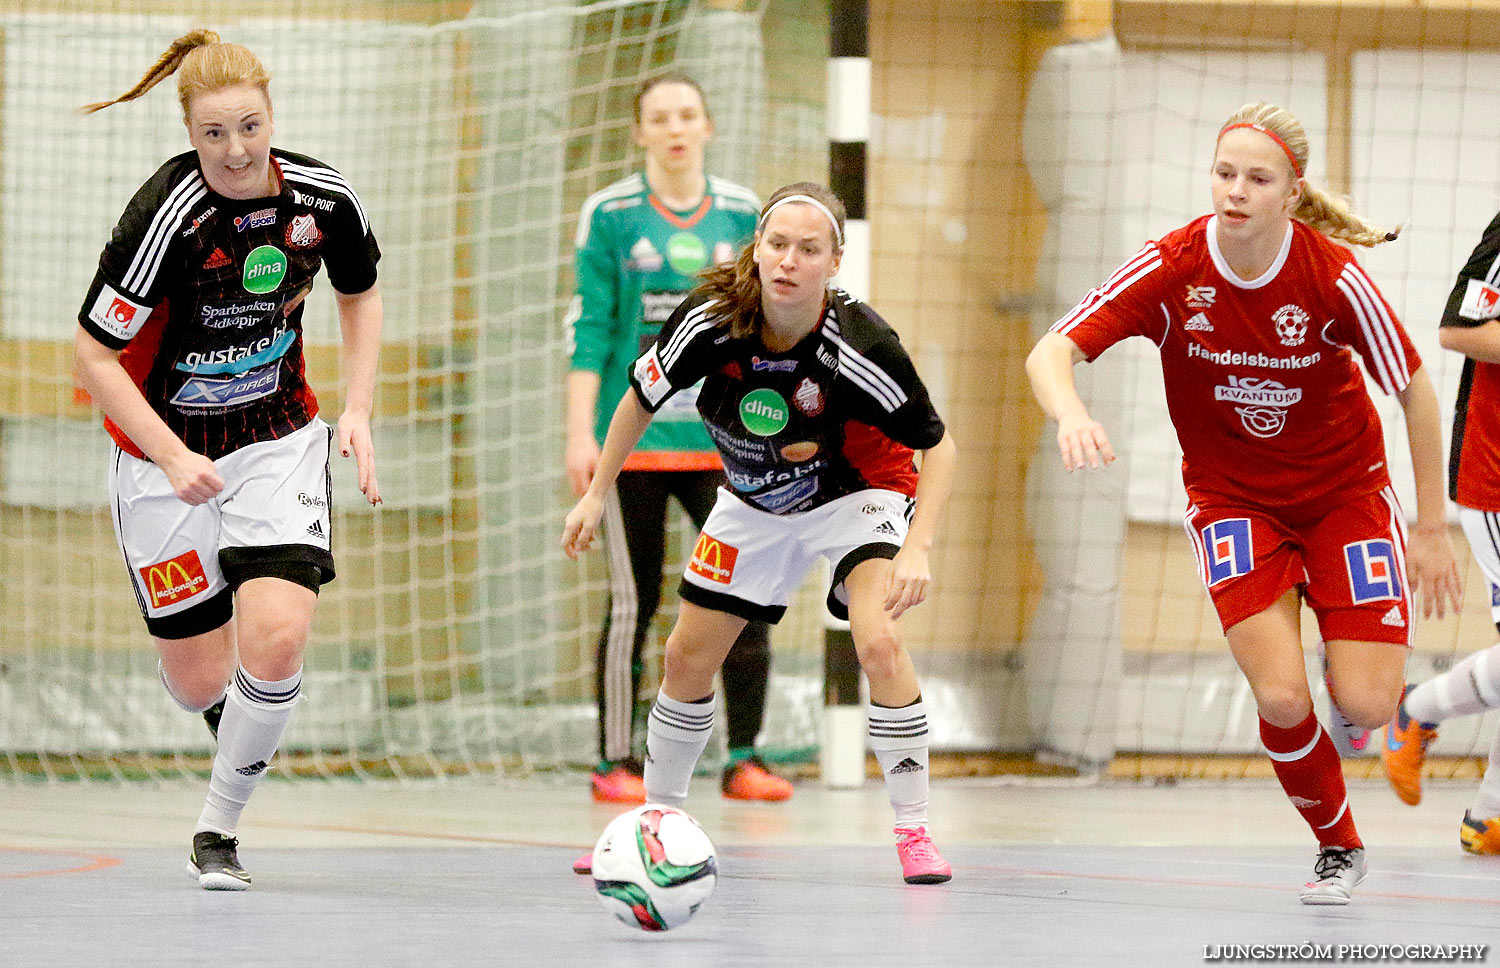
{"points": [[635, 593]]}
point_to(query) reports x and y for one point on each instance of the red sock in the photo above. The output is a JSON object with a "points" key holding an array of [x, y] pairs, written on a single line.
{"points": [[1310, 772]]}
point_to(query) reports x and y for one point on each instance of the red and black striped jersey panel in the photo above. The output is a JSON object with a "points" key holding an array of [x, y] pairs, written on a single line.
{"points": [[1474, 455]]}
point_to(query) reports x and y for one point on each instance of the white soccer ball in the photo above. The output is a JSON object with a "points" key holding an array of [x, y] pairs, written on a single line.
{"points": [[654, 867]]}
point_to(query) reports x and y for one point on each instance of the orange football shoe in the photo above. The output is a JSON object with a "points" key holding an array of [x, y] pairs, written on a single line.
{"points": [[1403, 751], [1480, 836], [618, 784], [750, 780]]}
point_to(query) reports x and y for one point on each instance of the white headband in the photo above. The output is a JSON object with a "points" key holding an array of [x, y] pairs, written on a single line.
{"points": [[838, 235]]}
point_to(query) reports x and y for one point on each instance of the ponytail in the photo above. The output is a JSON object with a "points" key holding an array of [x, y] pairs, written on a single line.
{"points": [[208, 64]]}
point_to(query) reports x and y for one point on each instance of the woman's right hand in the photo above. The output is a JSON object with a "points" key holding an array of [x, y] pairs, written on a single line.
{"points": [[580, 460], [194, 478], [1083, 443], [582, 524]]}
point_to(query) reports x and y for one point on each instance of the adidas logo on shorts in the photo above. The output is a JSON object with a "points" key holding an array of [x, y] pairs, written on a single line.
{"points": [[907, 765], [316, 529], [1393, 617], [885, 527]]}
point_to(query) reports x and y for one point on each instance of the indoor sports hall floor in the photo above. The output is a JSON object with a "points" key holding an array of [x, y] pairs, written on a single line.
{"points": [[477, 873]]}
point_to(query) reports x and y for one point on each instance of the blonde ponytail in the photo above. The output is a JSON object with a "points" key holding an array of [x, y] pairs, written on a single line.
{"points": [[207, 64]]}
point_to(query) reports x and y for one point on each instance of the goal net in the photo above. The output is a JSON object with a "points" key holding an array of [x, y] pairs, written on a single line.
{"points": [[1018, 153], [457, 637]]}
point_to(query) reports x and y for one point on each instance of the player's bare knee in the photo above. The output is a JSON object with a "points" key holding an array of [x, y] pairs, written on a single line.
{"points": [[880, 653], [201, 687], [275, 652], [1369, 711], [685, 659], [1283, 706]]}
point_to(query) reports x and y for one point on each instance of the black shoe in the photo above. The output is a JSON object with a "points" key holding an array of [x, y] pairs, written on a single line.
{"points": [[212, 715], [215, 864]]}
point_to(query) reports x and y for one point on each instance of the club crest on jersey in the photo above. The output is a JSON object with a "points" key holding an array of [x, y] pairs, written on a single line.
{"points": [[1261, 404], [1291, 324], [1227, 550], [1481, 301], [808, 397], [1201, 297], [302, 232], [1373, 574]]}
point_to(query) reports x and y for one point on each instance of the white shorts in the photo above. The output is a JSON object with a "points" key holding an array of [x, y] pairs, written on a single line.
{"points": [[271, 519], [1482, 528], [749, 563]]}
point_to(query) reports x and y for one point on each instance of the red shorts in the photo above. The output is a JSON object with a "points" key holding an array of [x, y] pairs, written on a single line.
{"points": [[1350, 565]]}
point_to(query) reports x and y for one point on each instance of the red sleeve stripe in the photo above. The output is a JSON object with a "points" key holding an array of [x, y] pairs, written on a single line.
{"points": [[153, 249], [1139, 266], [1380, 331]]}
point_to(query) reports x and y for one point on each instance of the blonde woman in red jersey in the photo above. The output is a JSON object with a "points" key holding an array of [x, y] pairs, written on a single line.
{"points": [[1259, 317]]}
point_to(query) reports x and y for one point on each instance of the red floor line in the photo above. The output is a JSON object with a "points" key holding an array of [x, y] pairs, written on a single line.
{"points": [[96, 862]]}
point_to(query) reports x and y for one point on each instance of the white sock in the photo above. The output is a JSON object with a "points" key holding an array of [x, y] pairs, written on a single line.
{"points": [[1486, 804], [899, 738], [676, 735], [1470, 687], [161, 670], [255, 716]]}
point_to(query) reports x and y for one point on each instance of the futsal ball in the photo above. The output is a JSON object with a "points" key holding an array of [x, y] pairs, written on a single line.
{"points": [[654, 867]]}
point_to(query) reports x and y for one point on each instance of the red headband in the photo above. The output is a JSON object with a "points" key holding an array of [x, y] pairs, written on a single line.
{"points": [[1296, 168]]}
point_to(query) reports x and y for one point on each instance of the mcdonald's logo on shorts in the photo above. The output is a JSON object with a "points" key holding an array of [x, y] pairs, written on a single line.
{"points": [[171, 581], [713, 559]]}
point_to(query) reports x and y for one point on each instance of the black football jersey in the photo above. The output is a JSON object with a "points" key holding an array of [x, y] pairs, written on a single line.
{"points": [[203, 296], [840, 412]]}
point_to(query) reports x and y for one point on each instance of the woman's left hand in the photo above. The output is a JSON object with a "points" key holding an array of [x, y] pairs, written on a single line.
{"points": [[1432, 568], [906, 583], [354, 436]]}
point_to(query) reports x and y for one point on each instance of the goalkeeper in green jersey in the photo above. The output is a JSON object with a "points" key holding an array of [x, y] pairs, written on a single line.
{"points": [[641, 243]]}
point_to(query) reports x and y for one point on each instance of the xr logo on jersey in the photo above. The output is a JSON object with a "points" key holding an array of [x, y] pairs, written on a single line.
{"points": [[1373, 575], [1227, 550]]}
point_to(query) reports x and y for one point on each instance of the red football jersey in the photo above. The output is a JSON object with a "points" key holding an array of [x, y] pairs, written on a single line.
{"points": [[1261, 380]]}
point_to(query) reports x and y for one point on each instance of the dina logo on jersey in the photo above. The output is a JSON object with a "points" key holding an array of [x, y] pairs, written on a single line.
{"points": [[764, 412], [686, 253], [1291, 324], [265, 267]]}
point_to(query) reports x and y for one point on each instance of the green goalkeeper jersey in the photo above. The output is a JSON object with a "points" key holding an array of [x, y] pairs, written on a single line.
{"points": [[636, 260]]}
